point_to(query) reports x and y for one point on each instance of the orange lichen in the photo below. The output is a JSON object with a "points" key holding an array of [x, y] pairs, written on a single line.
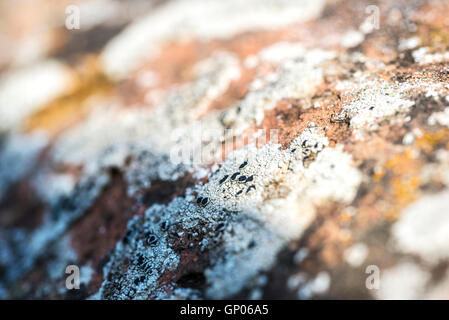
{"points": [[433, 27], [395, 181], [63, 112], [346, 216], [429, 141], [327, 238], [403, 187], [378, 174]]}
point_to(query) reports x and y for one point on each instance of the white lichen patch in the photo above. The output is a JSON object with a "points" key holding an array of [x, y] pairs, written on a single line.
{"points": [[24, 91], [295, 280], [405, 281], [282, 51], [333, 176], [356, 254], [310, 287], [220, 69], [424, 228], [409, 43], [352, 39], [437, 171], [442, 118], [288, 214], [423, 56], [245, 182], [294, 78], [282, 54], [248, 249], [377, 101], [52, 186], [186, 19]]}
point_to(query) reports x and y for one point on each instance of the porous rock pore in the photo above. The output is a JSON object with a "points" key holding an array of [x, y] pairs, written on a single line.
{"points": [[191, 149]]}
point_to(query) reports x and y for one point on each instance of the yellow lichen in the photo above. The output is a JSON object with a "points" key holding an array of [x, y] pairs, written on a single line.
{"points": [[429, 140], [405, 182], [89, 83]]}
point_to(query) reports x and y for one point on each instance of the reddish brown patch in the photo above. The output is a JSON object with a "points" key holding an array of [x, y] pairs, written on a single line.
{"points": [[192, 263], [417, 73], [329, 238], [291, 117], [165, 191], [102, 227], [174, 66], [325, 240], [21, 207], [105, 223]]}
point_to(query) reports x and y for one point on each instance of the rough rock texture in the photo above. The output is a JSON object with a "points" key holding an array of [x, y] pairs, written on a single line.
{"points": [[191, 149]]}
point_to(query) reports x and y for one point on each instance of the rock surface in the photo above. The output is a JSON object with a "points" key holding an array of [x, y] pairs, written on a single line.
{"points": [[191, 149]]}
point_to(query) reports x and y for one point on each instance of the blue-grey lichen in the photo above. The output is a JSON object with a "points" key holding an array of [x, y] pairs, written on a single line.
{"points": [[242, 228], [29, 246], [18, 154]]}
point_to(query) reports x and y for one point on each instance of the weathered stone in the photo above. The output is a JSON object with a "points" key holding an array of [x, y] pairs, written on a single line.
{"points": [[226, 149]]}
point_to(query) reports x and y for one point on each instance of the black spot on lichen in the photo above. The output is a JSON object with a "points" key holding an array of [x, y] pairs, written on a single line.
{"points": [[220, 227], [223, 179], [250, 188], [235, 175], [152, 240], [164, 225]]}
